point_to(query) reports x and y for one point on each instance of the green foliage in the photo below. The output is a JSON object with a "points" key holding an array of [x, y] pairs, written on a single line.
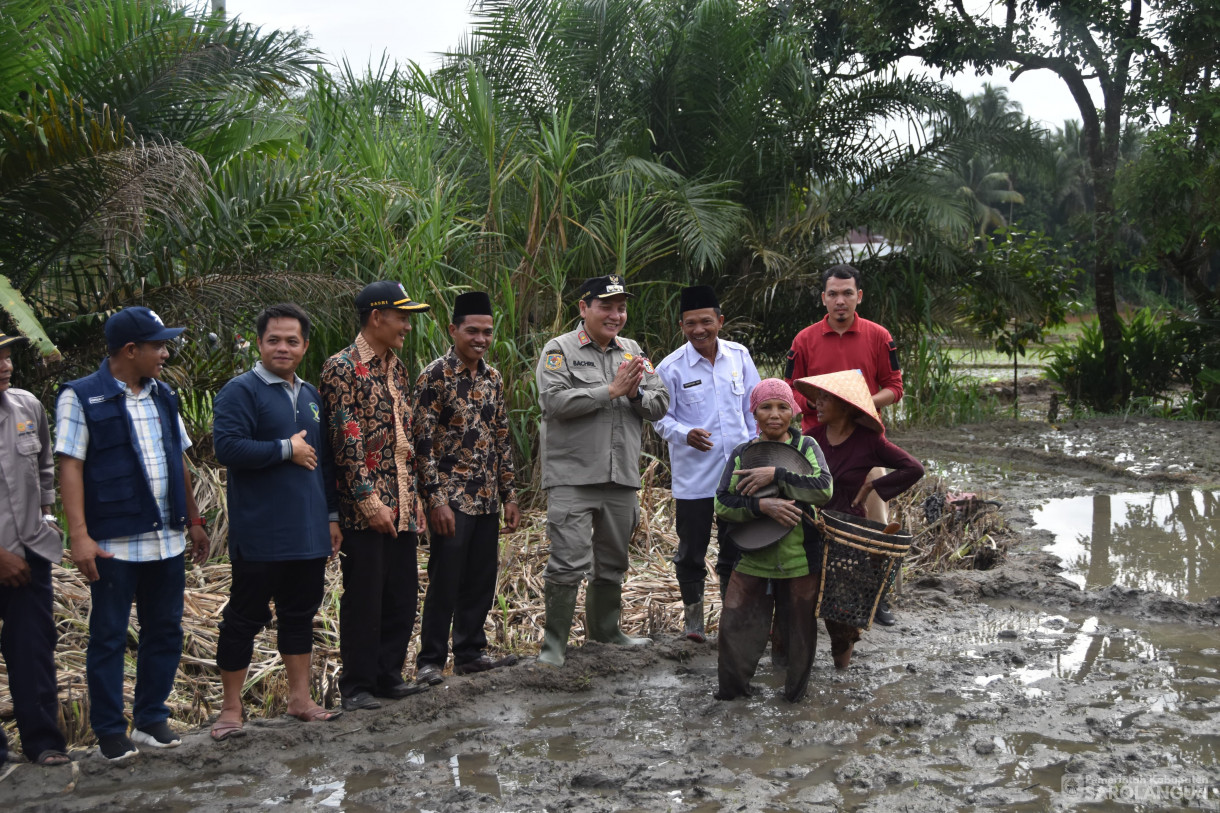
{"points": [[1029, 292], [1171, 195], [937, 395], [1158, 353]]}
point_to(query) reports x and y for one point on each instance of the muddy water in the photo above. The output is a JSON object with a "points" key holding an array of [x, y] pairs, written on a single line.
{"points": [[1161, 542], [992, 709]]}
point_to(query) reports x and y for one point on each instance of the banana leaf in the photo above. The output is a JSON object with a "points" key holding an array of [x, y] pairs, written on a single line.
{"points": [[27, 323]]}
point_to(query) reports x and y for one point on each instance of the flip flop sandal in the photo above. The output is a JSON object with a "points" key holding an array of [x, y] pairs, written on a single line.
{"points": [[227, 729], [52, 758], [319, 714]]}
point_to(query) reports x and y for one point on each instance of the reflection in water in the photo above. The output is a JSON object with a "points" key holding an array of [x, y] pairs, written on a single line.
{"points": [[1161, 542]]}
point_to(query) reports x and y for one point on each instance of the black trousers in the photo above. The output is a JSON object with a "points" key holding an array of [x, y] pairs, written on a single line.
{"points": [[296, 587], [27, 640], [461, 588], [377, 609], [694, 519], [746, 621]]}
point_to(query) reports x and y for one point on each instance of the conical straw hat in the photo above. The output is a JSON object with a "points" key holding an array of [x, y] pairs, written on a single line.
{"points": [[849, 385]]}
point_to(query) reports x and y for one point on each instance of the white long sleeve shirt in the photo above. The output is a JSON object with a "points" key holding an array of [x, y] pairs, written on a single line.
{"points": [[711, 397]]}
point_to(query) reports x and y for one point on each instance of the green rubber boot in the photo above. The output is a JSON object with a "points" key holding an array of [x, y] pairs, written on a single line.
{"points": [[603, 609], [560, 607]]}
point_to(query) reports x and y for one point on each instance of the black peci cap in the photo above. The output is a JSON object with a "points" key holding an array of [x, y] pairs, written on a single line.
{"points": [[697, 297], [471, 303]]}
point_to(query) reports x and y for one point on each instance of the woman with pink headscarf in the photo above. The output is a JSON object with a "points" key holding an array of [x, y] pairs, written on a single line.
{"points": [[773, 574]]}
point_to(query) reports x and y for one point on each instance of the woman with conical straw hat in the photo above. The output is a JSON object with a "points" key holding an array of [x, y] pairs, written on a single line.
{"points": [[852, 439]]}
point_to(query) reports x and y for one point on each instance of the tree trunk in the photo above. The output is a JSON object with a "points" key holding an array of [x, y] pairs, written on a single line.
{"points": [[1103, 283]]}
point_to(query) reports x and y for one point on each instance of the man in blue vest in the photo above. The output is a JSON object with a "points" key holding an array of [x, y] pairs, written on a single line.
{"points": [[268, 431], [127, 495]]}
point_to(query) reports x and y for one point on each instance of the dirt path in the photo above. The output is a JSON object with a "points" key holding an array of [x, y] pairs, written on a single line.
{"points": [[1008, 688]]}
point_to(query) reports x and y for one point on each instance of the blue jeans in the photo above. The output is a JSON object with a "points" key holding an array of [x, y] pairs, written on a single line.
{"points": [[157, 588]]}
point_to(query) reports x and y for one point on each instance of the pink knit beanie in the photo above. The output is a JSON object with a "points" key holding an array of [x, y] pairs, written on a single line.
{"points": [[770, 388]]}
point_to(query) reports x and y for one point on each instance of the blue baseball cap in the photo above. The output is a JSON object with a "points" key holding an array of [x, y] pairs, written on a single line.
{"points": [[137, 325]]}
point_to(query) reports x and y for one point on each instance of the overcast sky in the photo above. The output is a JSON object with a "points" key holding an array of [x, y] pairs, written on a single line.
{"points": [[419, 29]]}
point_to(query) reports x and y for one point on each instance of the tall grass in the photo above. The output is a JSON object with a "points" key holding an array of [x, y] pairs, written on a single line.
{"points": [[937, 394]]}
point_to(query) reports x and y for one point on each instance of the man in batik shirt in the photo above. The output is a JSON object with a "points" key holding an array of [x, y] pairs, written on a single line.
{"points": [[368, 418], [464, 456]]}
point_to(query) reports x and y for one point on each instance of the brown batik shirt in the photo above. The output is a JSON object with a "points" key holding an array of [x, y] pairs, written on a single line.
{"points": [[368, 421], [462, 444]]}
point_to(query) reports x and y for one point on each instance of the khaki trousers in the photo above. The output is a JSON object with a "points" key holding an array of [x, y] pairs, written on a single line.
{"points": [[589, 528]]}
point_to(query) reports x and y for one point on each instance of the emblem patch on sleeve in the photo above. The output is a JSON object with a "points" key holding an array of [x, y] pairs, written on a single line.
{"points": [[648, 368], [553, 362]]}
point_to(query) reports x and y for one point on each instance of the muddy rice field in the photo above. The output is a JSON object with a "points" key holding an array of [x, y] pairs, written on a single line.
{"points": [[1082, 672]]}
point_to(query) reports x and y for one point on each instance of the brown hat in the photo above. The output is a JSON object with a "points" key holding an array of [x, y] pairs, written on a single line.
{"points": [[846, 385]]}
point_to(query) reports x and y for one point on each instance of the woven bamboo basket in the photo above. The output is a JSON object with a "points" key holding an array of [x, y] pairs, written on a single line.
{"points": [[859, 563]]}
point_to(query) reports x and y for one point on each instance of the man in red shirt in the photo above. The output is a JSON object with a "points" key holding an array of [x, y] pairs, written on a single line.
{"points": [[846, 341]]}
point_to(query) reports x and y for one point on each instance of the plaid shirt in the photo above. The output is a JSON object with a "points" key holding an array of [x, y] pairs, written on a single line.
{"points": [[368, 421], [72, 439], [462, 443]]}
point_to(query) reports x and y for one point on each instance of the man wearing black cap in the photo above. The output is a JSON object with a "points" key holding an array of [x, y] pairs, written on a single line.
{"points": [[127, 496], [463, 451], [710, 380], [368, 418], [596, 390], [29, 542]]}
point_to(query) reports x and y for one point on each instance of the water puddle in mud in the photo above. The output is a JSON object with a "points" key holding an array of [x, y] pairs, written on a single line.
{"points": [[1162, 542], [991, 710]]}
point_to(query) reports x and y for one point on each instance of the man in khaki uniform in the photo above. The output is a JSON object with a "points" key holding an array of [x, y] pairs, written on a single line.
{"points": [[30, 541], [596, 390]]}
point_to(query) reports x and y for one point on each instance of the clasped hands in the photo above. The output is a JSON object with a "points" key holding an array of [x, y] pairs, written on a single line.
{"points": [[786, 512]]}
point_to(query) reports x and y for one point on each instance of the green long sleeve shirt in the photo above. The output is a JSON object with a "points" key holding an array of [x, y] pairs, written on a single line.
{"points": [[785, 559]]}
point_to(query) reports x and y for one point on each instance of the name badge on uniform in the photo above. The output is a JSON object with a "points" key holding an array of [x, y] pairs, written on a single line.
{"points": [[694, 383]]}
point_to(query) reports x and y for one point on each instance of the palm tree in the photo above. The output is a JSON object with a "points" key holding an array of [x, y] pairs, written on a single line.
{"points": [[141, 156]]}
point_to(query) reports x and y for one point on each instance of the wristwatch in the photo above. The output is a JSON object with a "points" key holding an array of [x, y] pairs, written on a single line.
{"points": [[200, 521], [50, 518]]}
